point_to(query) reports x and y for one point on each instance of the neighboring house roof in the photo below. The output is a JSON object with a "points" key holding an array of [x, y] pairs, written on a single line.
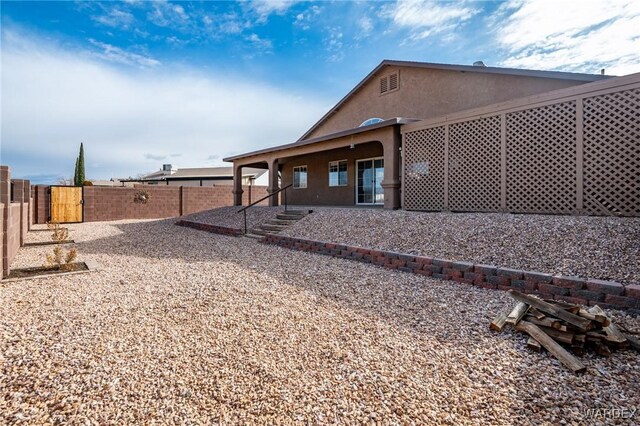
{"points": [[202, 173], [348, 132], [450, 67]]}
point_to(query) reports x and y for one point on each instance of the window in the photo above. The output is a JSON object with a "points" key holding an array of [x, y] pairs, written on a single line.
{"points": [[370, 121], [338, 173], [300, 177]]}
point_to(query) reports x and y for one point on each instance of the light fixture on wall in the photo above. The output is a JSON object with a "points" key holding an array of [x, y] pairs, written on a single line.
{"points": [[352, 146]]}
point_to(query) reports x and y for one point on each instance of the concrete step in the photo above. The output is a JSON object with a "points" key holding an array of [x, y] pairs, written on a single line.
{"points": [[284, 216], [275, 228], [253, 236], [279, 222], [298, 212], [258, 231]]}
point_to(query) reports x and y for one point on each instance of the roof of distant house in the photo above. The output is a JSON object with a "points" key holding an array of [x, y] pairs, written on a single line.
{"points": [[202, 173]]}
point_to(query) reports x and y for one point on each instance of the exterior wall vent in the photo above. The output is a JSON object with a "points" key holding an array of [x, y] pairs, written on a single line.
{"points": [[389, 83], [384, 85], [393, 81]]}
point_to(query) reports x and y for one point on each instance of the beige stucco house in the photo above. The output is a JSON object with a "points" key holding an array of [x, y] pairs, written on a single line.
{"points": [[354, 154]]}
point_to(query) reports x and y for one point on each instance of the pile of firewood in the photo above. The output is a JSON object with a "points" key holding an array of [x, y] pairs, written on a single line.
{"points": [[554, 325]]}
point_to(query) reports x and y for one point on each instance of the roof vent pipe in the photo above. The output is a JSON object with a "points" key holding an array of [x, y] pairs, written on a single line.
{"points": [[602, 71], [479, 64]]}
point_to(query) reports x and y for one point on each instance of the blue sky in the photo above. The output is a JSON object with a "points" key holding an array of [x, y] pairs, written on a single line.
{"points": [[143, 83]]}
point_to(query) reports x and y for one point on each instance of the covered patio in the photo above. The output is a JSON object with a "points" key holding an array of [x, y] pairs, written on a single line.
{"points": [[359, 166]]}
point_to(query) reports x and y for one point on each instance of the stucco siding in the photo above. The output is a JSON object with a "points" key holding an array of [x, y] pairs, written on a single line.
{"points": [[425, 93], [318, 191]]}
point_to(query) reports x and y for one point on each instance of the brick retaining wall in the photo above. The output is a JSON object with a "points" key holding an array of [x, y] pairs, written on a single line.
{"points": [[606, 294], [214, 229]]}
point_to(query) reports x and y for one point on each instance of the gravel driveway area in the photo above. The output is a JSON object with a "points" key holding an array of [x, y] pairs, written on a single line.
{"points": [[606, 248], [230, 218], [187, 327]]}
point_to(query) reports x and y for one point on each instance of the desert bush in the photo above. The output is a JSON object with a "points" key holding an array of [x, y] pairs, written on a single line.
{"points": [[59, 259]]}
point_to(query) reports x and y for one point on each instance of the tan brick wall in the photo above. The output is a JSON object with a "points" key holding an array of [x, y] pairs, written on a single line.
{"points": [[103, 204], [1, 239], [13, 231], [42, 204]]}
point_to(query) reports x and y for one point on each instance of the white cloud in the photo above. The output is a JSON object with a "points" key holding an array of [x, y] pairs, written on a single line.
{"points": [[55, 98], [264, 8], [115, 18], [166, 14], [571, 35], [426, 17], [366, 26], [306, 18], [263, 45], [115, 54], [334, 45]]}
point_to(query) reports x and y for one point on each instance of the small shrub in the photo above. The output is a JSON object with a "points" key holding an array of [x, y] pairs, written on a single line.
{"points": [[59, 259], [59, 234], [88, 183]]}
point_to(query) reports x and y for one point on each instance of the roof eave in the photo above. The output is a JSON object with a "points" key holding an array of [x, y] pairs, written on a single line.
{"points": [[343, 133]]}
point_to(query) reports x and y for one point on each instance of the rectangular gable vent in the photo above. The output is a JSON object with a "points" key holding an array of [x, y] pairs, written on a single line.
{"points": [[393, 81], [384, 85], [389, 83]]}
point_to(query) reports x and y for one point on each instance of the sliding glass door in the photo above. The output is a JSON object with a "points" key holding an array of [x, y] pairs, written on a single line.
{"points": [[370, 173]]}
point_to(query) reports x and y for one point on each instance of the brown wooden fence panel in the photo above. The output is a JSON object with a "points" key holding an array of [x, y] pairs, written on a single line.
{"points": [[66, 204]]}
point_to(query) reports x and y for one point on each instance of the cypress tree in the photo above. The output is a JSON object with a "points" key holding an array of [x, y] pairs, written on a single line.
{"points": [[81, 175], [75, 173]]}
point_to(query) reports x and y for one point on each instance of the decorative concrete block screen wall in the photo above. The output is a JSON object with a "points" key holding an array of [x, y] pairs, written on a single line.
{"points": [[571, 151]]}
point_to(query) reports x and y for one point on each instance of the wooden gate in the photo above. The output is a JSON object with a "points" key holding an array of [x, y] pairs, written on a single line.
{"points": [[66, 204]]}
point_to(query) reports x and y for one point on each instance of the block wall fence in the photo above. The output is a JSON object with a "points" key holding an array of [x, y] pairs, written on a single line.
{"points": [[103, 203], [17, 207]]}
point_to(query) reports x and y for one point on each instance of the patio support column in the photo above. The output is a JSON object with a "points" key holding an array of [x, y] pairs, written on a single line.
{"points": [[391, 181], [237, 185], [273, 181]]}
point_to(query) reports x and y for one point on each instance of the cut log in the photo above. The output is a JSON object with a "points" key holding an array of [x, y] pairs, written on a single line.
{"points": [[498, 323], [613, 335], [559, 336], [517, 313], [602, 349], [556, 311], [574, 309], [533, 345], [536, 313], [545, 322], [554, 348], [599, 318]]}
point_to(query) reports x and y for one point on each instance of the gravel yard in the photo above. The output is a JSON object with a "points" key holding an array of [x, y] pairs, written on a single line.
{"points": [[187, 327], [230, 218], [592, 247]]}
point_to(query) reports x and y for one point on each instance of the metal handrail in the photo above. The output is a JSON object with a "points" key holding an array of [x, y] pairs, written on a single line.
{"points": [[244, 209]]}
